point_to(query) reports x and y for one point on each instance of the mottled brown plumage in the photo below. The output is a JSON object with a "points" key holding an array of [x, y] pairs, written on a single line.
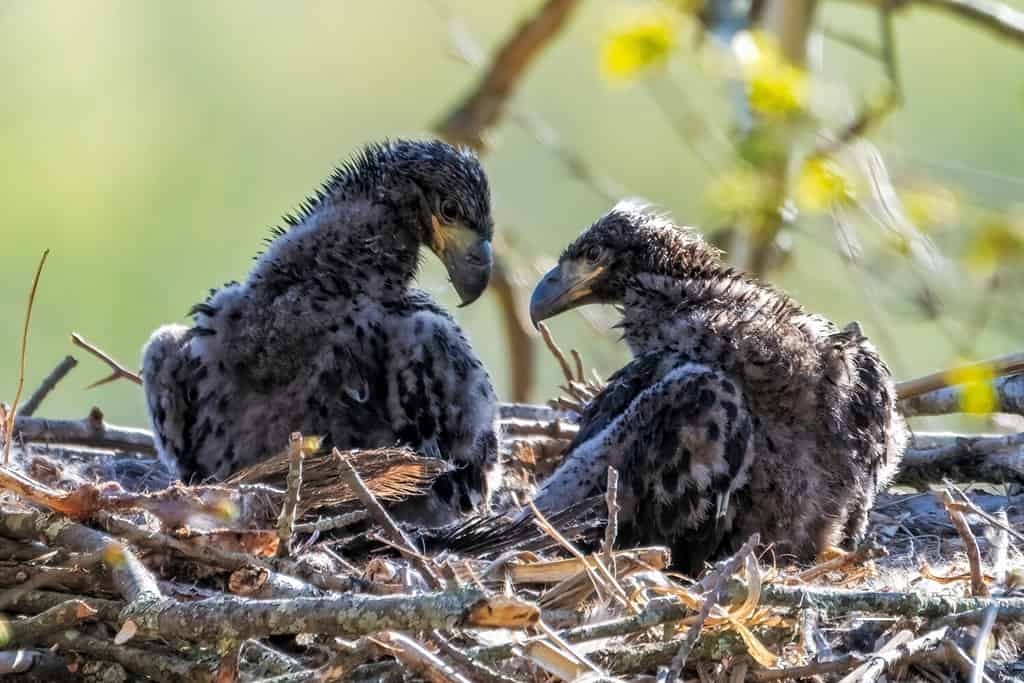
{"points": [[740, 412], [327, 334]]}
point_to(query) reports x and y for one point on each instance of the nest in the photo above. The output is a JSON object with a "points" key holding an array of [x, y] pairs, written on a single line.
{"points": [[293, 571]]}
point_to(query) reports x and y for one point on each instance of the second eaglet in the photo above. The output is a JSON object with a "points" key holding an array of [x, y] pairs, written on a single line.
{"points": [[739, 413], [328, 336]]}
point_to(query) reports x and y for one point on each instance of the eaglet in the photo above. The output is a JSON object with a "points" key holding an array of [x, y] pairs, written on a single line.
{"points": [[328, 336], [739, 413]]}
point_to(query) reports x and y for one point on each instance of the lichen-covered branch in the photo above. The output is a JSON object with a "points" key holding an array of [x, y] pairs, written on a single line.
{"points": [[238, 618], [146, 662], [31, 630]]}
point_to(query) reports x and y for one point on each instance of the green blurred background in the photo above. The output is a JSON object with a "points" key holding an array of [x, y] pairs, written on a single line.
{"points": [[150, 145]]}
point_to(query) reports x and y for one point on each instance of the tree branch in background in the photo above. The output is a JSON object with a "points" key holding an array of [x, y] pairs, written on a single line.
{"points": [[1001, 19], [118, 371], [1003, 366], [467, 124], [40, 394]]}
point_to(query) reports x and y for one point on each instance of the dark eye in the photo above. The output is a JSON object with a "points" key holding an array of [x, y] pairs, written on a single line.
{"points": [[594, 253], [449, 210]]}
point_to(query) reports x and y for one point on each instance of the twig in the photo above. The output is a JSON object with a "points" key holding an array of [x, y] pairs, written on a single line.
{"points": [[227, 559], [710, 601], [381, 517], [331, 523], [118, 371], [611, 530], [21, 360], [978, 586], [467, 122], [286, 520], [880, 662], [31, 630], [865, 553], [1003, 366], [981, 644], [840, 664], [479, 671], [51, 381], [420, 660], [146, 662]]}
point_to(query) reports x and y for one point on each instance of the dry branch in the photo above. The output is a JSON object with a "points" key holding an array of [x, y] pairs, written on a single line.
{"points": [[92, 432], [935, 457], [888, 660], [38, 601], [978, 586], [32, 629], [1009, 395], [147, 662], [118, 371], [238, 618], [48, 384], [286, 520], [131, 579]]}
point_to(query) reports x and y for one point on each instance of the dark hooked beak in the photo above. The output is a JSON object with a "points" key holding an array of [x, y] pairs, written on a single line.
{"points": [[467, 258], [566, 286]]}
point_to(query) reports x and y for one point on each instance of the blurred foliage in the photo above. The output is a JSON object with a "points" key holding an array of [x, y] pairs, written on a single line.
{"points": [[151, 145]]}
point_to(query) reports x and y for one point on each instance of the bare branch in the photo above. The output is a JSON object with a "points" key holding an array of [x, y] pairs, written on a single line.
{"points": [[31, 630], [1003, 366], [978, 586], [999, 18], [92, 432], [467, 123], [118, 371], [51, 381], [286, 520], [1009, 394]]}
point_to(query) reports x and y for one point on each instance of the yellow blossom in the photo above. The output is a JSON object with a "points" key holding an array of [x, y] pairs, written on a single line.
{"points": [[777, 89], [977, 395], [642, 42], [822, 186], [998, 241]]}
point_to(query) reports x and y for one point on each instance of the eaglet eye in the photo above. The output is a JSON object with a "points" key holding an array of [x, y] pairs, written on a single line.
{"points": [[594, 253], [449, 210]]}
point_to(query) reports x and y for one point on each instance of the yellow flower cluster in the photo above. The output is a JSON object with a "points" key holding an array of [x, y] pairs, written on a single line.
{"points": [[642, 42]]}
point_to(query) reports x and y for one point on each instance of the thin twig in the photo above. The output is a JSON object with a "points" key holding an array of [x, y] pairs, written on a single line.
{"points": [[380, 516], [711, 599], [37, 397], [118, 371], [13, 411], [981, 644], [978, 586], [286, 520]]}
